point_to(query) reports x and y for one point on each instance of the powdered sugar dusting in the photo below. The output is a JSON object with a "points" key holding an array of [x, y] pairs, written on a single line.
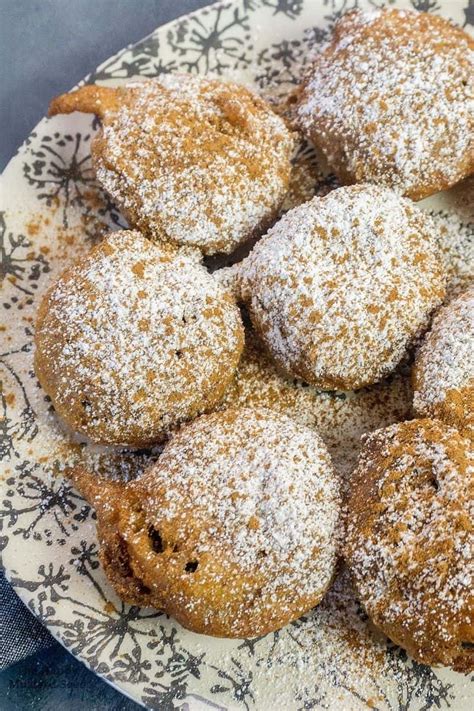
{"points": [[254, 490], [444, 366], [339, 418], [456, 243], [134, 338], [391, 100], [409, 541], [341, 286], [194, 161]]}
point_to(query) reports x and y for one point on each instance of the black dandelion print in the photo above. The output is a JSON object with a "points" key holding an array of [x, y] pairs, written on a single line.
{"points": [[217, 45], [61, 170]]}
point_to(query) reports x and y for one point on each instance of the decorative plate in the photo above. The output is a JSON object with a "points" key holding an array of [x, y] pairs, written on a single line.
{"points": [[52, 210]]}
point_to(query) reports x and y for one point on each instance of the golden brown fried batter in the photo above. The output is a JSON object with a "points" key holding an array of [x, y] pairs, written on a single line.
{"points": [[389, 101], [189, 160], [98, 100], [409, 540], [104, 494]]}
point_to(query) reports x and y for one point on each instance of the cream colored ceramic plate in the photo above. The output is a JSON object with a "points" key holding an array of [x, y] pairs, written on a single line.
{"points": [[52, 209]]}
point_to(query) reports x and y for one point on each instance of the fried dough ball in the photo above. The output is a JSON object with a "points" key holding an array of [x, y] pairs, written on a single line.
{"points": [[189, 160], [389, 100], [233, 530], [409, 539], [134, 338], [341, 286], [443, 375]]}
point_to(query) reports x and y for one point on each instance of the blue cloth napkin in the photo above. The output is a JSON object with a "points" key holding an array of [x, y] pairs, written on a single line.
{"points": [[21, 634]]}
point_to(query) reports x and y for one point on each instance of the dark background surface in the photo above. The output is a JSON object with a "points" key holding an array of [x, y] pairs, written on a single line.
{"points": [[47, 46]]}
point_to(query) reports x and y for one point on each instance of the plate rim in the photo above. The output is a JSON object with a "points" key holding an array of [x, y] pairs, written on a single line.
{"points": [[22, 594]]}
